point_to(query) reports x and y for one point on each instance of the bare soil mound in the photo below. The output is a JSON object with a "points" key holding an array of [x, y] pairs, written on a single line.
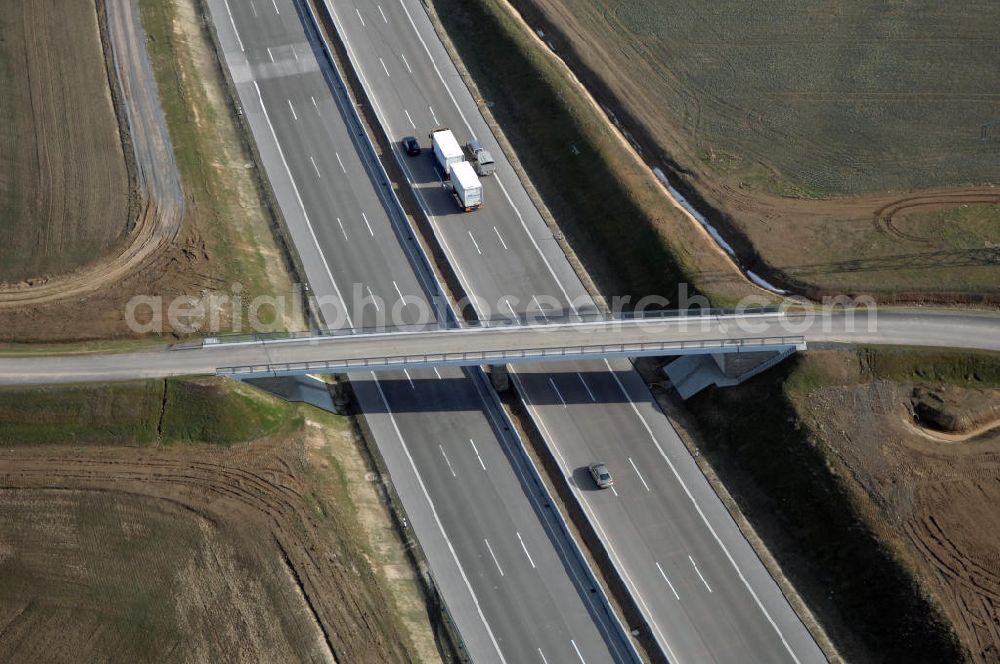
{"points": [[936, 503], [956, 411]]}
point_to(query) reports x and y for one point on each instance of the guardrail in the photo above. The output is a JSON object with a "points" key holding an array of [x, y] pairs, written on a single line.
{"points": [[478, 358], [529, 319]]}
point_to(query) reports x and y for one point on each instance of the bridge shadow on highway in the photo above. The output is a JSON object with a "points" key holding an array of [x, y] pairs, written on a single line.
{"points": [[423, 391]]}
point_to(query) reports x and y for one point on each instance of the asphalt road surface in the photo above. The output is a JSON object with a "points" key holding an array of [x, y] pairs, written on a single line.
{"points": [[504, 254], [495, 549], [705, 593], [445, 347], [512, 578]]}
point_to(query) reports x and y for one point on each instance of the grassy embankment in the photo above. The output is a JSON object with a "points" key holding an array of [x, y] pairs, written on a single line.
{"points": [[229, 202], [616, 219], [792, 489]]}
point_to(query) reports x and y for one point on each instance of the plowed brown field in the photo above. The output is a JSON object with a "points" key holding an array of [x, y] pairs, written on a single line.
{"points": [[64, 187], [211, 230], [792, 121], [187, 553]]}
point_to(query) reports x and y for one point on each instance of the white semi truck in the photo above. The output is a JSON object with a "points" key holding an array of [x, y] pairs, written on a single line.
{"points": [[447, 151], [466, 187]]}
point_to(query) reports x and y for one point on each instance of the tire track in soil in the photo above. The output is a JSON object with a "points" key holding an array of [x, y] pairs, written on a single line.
{"points": [[257, 489]]}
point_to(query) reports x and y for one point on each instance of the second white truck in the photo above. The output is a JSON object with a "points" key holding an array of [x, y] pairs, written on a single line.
{"points": [[447, 151]]}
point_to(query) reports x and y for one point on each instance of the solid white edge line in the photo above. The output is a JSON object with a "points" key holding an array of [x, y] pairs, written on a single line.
{"points": [[437, 519], [235, 31]]}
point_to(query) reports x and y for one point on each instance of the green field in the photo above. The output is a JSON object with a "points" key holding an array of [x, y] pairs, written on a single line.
{"points": [[794, 126], [141, 413], [838, 98]]}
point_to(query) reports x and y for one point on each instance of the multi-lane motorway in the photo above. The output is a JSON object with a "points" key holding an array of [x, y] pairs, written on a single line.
{"points": [[705, 594], [513, 580]]}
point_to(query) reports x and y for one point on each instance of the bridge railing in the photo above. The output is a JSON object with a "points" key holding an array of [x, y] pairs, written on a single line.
{"points": [[476, 358], [535, 318]]}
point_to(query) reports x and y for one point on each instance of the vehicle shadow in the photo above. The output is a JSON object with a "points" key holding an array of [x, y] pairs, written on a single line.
{"points": [[582, 479]]}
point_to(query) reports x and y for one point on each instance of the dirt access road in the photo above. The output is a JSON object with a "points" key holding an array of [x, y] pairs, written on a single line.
{"points": [[158, 203], [228, 232]]}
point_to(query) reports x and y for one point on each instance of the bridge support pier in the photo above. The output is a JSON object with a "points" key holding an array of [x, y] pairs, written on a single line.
{"points": [[691, 374]]}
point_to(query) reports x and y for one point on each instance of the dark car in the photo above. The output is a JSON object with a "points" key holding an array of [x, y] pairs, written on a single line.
{"points": [[411, 145]]}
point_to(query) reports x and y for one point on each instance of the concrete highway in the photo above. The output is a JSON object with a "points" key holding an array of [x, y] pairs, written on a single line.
{"points": [[704, 592], [749, 620], [512, 578]]}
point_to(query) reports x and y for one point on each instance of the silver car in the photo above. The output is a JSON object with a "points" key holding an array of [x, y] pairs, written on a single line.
{"points": [[602, 478]]}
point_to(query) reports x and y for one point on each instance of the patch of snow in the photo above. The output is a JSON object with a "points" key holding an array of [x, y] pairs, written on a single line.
{"points": [[694, 213], [719, 240], [757, 279]]}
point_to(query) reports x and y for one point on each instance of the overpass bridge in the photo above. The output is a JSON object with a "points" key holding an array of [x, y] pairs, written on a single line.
{"points": [[508, 343]]}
